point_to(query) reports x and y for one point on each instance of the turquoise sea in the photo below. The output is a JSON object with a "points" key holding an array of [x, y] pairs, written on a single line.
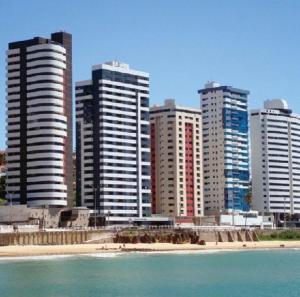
{"points": [[209, 274]]}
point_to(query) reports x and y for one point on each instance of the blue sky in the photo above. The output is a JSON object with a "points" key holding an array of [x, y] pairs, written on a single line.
{"points": [[253, 45]]}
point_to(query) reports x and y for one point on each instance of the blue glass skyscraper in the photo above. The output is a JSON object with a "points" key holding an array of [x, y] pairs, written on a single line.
{"points": [[225, 148]]}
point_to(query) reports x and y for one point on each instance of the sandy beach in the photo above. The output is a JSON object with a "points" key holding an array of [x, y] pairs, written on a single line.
{"points": [[77, 249]]}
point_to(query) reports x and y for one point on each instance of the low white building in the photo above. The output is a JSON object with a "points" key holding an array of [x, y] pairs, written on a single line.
{"points": [[246, 219]]}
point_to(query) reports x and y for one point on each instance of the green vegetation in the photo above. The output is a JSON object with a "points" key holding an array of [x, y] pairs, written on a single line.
{"points": [[2, 201], [2, 187], [280, 235]]}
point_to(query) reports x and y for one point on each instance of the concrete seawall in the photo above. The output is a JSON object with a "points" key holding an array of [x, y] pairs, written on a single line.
{"points": [[55, 237], [124, 236]]}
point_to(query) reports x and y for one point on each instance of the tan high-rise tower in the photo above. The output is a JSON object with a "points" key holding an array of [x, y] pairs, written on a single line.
{"points": [[176, 161]]}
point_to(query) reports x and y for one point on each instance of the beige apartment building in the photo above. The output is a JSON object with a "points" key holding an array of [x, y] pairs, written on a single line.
{"points": [[176, 161]]}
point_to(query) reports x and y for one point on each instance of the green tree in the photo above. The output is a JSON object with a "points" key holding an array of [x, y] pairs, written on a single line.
{"points": [[2, 187], [249, 197], [2, 190], [248, 200]]}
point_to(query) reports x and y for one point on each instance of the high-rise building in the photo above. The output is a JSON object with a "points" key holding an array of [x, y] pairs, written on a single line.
{"points": [[275, 158], [225, 147], [176, 160], [113, 142], [39, 121]]}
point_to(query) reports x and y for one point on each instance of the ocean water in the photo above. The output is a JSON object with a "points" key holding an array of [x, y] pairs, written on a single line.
{"points": [[265, 273]]}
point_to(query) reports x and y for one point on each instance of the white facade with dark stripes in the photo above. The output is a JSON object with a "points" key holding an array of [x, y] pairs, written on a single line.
{"points": [[113, 142], [275, 163], [37, 122]]}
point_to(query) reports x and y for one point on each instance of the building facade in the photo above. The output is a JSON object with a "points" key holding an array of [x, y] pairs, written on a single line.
{"points": [[176, 160], [113, 142], [39, 121], [275, 162], [225, 147]]}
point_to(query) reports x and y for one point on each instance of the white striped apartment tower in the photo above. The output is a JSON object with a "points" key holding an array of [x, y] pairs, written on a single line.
{"points": [[176, 161], [112, 142], [275, 152], [225, 148], [39, 115]]}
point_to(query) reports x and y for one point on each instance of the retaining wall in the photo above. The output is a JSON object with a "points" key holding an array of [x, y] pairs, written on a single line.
{"points": [[124, 236], [51, 237]]}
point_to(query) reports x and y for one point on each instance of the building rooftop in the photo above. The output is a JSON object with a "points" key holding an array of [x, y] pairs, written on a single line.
{"points": [[275, 107], [37, 40], [214, 86], [120, 67], [118, 64], [170, 105], [276, 104]]}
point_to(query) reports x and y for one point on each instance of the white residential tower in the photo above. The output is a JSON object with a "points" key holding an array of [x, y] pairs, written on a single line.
{"points": [[39, 121], [275, 162], [113, 142]]}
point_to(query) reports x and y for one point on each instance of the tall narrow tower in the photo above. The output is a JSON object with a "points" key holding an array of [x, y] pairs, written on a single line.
{"points": [[225, 148], [39, 121], [113, 142], [275, 162], [176, 161]]}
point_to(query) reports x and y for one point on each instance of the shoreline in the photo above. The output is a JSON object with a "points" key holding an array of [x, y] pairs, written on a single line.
{"points": [[85, 249]]}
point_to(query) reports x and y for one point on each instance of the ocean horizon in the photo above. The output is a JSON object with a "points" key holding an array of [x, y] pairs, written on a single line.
{"points": [[232, 273]]}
